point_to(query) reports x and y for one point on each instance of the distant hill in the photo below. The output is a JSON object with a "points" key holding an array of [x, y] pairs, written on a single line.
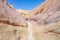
{"points": [[22, 11]]}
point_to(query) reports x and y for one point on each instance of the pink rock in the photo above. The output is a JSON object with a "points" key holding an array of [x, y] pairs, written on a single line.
{"points": [[9, 16]]}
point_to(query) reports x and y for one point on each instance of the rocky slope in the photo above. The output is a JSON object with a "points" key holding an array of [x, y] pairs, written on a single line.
{"points": [[48, 12], [45, 20], [12, 25], [23, 12]]}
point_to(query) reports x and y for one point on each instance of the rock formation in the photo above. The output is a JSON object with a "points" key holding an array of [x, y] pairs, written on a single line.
{"points": [[12, 25], [46, 13], [43, 22], [9, 16], [46, 20], [23, 12]]}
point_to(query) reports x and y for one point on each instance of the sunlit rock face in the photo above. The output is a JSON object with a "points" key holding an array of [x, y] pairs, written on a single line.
{"points": [[46, 13], [23, 12], [47, 32], [45, 20], [12, 25], [9, 16]]}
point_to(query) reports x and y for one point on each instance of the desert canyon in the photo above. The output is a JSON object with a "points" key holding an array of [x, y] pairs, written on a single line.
{"points": [[41, 23]]}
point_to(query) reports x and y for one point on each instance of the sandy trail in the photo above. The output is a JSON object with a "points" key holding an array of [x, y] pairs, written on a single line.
{"points": [[30, 36]]}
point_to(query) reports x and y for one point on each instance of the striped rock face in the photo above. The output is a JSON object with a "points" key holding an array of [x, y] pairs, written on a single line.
{"points": [[46, 13], [45, 20], [9, 16], [12, 25]]}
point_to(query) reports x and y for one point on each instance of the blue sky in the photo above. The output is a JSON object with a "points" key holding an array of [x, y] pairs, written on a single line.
{"points": [[25, 4]]}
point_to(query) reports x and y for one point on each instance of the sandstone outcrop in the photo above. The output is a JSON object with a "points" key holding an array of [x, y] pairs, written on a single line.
{"points": [[46, 13], [23, 12], [43, 22], [12, 25], [9, 16], [46, 20]]}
